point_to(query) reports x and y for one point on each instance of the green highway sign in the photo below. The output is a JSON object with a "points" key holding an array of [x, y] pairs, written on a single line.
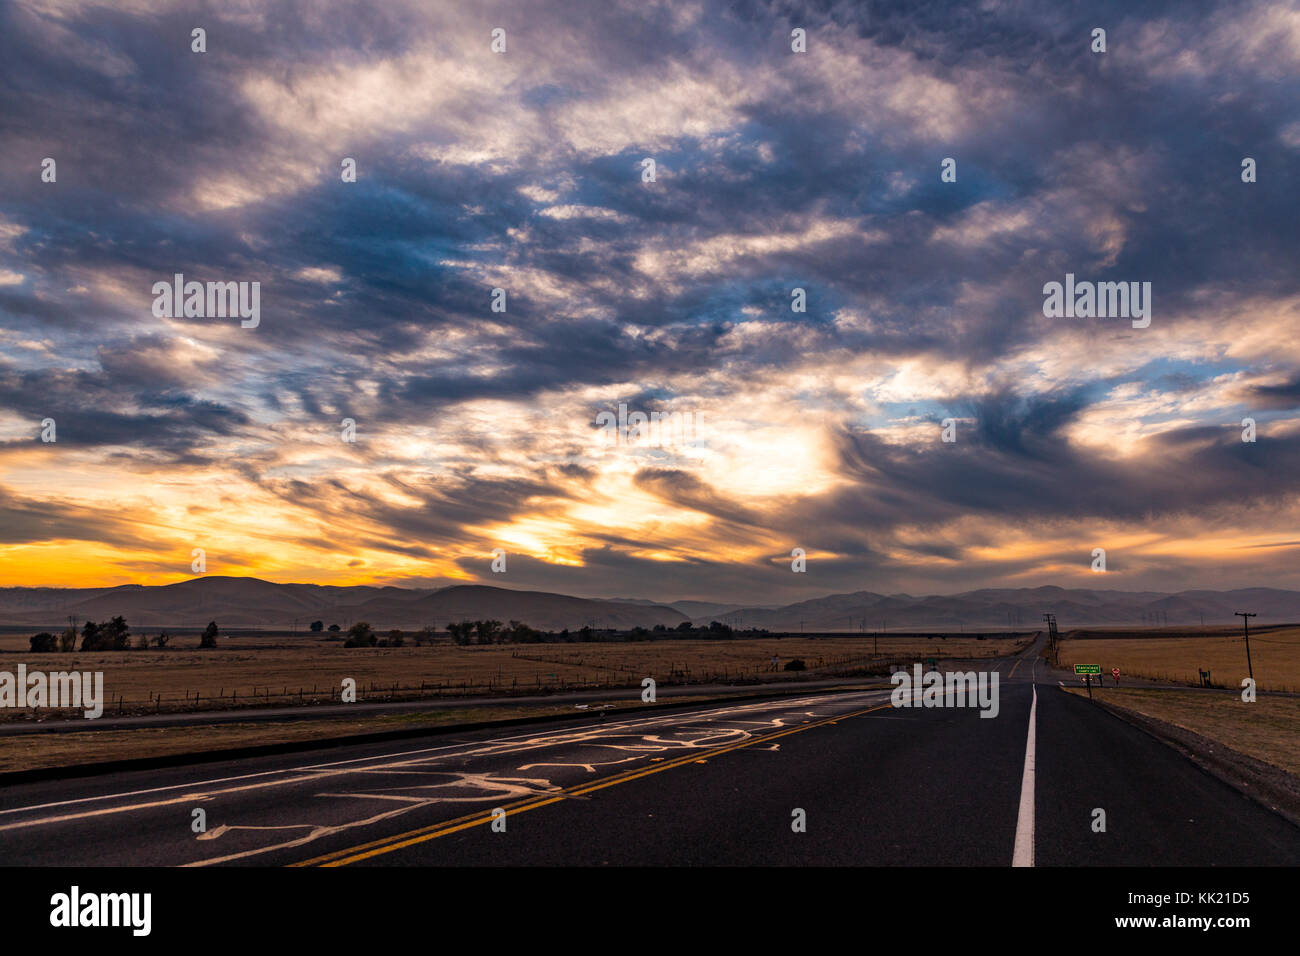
{"points": [[1087, 669]]}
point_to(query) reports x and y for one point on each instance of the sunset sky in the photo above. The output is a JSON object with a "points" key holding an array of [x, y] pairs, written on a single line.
{"points": [[476, 430]]}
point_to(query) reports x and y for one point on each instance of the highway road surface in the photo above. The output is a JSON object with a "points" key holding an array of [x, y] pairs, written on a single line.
{"points": [[245, 715], [718, 784]]}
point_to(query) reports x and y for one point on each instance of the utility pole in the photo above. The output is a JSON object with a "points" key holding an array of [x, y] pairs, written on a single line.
{"points": [[1245, 624]]}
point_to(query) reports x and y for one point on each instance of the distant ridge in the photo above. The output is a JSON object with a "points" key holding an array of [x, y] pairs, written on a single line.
{"points": [[1021, 608], [253, 602]]}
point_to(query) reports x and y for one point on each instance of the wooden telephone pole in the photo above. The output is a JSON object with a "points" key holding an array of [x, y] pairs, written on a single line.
{"points": [[1245, 623], [1052, 638]]}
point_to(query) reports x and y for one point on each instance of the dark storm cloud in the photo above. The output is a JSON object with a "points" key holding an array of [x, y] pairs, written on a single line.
{"points": [[27, 520], [687, 491], [1284, 396], [443, 508], [1020, 464], [98, 409]]}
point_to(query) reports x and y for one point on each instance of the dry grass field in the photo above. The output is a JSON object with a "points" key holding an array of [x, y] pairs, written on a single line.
{"points": [[1275, 655], [250, 670]]}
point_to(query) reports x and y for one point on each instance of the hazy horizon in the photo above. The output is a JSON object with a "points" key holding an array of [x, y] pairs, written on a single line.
{"points": [[647, 597]]}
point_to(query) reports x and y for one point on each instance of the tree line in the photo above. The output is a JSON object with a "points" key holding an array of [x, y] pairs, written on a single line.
{"points": [[464, 633], [111, 635], [115, 635]]}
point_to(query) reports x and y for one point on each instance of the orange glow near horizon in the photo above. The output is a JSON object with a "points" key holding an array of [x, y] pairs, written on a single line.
{"points": [[316, 513]]}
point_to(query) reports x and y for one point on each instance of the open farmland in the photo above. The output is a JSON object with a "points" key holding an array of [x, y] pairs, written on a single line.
{"points": [[1173, 656], [264, 670]]}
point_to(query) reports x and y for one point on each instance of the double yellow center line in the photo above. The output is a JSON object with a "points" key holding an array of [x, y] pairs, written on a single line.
{"points": [[401, 840]]}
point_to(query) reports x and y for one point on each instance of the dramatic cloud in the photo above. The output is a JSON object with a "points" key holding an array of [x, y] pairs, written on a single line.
{"points": [[781, 180]]}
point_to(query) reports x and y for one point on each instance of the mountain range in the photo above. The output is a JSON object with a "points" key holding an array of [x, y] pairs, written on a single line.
{"points": [[252, 602]]}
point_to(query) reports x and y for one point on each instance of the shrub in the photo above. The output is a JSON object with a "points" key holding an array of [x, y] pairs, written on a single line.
{"points": [[361, 635], [44, 643], [111, 635]]}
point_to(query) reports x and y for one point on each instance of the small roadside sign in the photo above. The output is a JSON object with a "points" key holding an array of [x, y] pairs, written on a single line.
{"points": [[1114, 672], [1087, 669]]}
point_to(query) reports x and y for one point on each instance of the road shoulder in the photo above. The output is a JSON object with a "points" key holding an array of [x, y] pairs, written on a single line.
{"points": [[1266, 784]]}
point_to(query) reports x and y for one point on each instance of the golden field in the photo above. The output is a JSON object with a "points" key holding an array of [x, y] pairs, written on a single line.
{"points": [[252, 670], [1275, 654]]}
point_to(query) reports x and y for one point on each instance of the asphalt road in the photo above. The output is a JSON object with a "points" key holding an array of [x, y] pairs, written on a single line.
{"points": [[323, 711], [245, 715], [715, 785]]}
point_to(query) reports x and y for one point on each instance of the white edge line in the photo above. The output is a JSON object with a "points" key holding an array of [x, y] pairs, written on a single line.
{"points": [[1024, 850]]}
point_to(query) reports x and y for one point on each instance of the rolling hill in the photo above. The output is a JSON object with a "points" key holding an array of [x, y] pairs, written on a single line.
{"points": [[252, 602]]}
